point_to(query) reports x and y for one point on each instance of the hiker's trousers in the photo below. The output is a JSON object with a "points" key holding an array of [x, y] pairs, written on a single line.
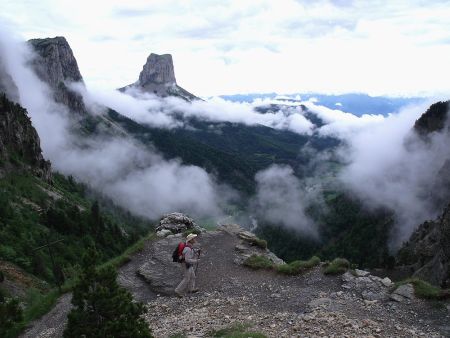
{"points": [[188, 282]]}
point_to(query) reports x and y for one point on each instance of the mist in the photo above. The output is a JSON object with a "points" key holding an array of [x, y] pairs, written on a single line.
{"points": [[137, 178], [281, 200], [390, 166]]}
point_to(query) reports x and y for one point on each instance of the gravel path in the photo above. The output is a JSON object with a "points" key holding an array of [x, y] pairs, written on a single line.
{"points": [[310, 305]]}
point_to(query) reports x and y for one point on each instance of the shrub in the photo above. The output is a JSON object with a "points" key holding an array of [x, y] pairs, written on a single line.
{"points": [[297, 267], [425, 290], [337, 266], [258, 262], [260, 243]]}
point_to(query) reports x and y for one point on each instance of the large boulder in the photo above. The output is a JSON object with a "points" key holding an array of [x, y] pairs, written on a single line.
{"points": [[177, 222]]}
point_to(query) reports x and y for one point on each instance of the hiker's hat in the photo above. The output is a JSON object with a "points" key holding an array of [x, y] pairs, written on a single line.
{"points": [[190, 237]]}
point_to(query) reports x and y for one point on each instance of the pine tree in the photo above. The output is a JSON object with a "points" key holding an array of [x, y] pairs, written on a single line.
{"points": [[10, 313], [101, 307]]}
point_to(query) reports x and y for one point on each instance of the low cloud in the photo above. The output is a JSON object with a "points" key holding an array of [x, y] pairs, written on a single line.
{"points": [[162, 112], [281, 200]]}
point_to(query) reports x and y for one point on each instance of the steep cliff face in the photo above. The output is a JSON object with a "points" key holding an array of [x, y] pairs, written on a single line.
{"points": [[158, 77], [19, 142], [56, 65], [428, 251]]}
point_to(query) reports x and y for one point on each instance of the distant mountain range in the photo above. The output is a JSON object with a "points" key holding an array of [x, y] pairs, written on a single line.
{"points": [[357, 104]]}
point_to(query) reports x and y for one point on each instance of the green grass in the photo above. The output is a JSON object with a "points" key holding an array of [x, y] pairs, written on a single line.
{"points": [[125, 257], [258, 262], [425, 290], [337, 266], [297, 267], [236, 331], [261, 243]]}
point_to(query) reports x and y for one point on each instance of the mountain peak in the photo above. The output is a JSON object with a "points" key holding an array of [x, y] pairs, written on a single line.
{"points": [[158, 70], [158, 77], [56, 65]]}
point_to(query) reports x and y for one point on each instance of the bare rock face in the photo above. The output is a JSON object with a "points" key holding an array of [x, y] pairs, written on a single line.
{"points": [[158, 70], [428, 251], [158, 77], [56, 65], [19, 142]]}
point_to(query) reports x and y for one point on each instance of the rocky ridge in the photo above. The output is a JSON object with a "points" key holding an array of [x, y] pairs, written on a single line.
{"points": [[56, 65], [311, 305]]}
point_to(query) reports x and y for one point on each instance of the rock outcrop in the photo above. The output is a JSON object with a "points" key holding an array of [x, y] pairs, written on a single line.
{"points": [[158, 77], [175, 223], [56, 65], [19, 141], [428, 251]]}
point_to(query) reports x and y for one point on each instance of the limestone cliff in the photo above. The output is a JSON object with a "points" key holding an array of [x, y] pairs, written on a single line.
{"points": [[158, 77], [56, 65], [19, 142]]}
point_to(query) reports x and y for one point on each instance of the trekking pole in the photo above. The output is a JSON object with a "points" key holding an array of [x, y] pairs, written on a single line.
{"points": [[198, 257]]}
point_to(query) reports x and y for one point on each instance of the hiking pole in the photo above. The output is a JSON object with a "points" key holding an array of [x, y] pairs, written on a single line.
{"points": [[198, 257]]}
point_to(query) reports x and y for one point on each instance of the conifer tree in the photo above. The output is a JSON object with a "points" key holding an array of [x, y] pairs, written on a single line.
{"points": [[10, 312], [101, 307]]}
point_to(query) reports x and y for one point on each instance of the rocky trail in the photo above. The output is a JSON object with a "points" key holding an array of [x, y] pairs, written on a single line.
{"points": [[308, 305]]}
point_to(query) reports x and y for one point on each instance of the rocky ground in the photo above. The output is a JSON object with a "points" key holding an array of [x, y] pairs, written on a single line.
{"points": [[309, 305]]}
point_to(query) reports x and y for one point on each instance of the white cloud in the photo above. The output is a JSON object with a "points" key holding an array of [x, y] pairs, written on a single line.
{"points": [[281, 200]]}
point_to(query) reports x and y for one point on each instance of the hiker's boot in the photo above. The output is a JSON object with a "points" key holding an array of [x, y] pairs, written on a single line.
{"points": [[195, 290], [179, 295]]}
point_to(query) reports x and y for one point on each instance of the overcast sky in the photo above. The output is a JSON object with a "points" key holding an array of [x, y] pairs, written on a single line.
{"points": [[225, 47]]}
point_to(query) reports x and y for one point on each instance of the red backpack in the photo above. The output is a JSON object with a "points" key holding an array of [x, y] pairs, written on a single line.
{"points": [[177, 254]]}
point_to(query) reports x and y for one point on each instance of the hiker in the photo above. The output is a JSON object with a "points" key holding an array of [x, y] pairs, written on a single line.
{"points": [[188, 282]]}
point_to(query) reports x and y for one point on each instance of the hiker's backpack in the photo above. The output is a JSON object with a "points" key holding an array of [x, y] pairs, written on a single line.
{"points": [[177, 254]]}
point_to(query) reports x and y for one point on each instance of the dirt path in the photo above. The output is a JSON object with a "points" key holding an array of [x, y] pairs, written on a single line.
{"points": [[310, 305]]}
